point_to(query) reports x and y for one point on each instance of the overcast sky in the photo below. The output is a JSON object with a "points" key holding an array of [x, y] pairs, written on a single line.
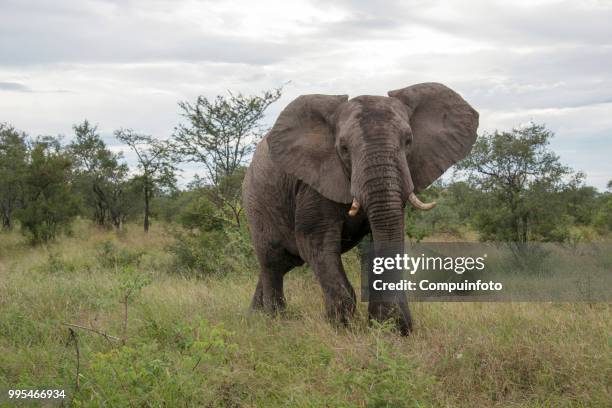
{"points": [[126, 63]]}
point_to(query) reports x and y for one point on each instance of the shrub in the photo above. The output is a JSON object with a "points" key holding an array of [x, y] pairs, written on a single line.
{"points": [[56, 264], [146, 374], [212, 252], [110, 256], [208, 244], [387, 379], [202, 215]]}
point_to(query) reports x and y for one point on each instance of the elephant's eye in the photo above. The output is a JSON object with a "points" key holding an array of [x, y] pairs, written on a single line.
{"points": [[408, 139]]}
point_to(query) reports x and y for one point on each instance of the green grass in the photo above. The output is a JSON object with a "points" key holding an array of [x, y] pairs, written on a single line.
{"points": [[193, 342]]}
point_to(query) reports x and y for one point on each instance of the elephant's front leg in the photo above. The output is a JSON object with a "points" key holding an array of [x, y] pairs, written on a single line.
{"points": [[396, 310], [318, 227], [338, 293]]}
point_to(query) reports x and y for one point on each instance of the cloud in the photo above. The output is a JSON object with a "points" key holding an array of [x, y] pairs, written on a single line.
{"points": [[527, 25], [127, 63], [14, 86]]}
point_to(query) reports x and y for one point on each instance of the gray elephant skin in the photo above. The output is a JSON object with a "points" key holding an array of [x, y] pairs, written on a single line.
{"points": [[332, 170]]}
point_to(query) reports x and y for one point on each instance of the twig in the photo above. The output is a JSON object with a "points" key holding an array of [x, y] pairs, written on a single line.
{"points": [[200, 358], [106, 336], [197, 363], [75, 340], [93, 327], [125, 318]]}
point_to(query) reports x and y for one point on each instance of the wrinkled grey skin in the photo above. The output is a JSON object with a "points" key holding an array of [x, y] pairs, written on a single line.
{"points": [[325, 150]]}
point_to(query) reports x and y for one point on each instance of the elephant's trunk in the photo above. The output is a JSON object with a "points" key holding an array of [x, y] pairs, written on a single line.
{"points": [[386, 218], [382, 190]]}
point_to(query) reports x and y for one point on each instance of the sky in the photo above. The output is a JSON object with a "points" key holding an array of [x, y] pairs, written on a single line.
{"points": [[126, 63]]}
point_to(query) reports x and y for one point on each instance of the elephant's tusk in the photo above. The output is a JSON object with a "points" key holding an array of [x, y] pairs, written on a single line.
{"points": [[416, 203], [354, 208]]}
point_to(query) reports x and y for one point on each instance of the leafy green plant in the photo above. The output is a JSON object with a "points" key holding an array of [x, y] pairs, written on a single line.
{"points": [[215, 252], [148, 374], [130, 375], [110, 256], [56, 264], [387, 379], [131, 283]]}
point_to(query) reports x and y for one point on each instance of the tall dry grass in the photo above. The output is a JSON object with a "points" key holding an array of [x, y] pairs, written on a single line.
{"points": [[193, 342]]}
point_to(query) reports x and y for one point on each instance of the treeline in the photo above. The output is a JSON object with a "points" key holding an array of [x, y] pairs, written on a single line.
{"points": [[45, 184], [512, 187]]}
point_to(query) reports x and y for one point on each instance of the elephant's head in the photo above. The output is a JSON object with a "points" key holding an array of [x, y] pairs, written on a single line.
{"points": [[372, 151]]}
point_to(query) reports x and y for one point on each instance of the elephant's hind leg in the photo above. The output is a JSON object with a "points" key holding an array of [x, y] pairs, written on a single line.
{"points": [[269, 295]]}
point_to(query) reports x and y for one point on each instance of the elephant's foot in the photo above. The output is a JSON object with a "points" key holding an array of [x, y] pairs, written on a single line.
{"points": [[340, 307], [398, 313], [272, 306], [257, 302], [268, 295]]}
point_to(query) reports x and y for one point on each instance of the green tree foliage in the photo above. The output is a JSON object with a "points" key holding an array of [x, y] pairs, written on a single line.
{"points": [[226, 195], [521, 180], [102, 176], [221, 134], [444, 219], [156, 163], [207, 243], [13, 156], [602, 219], [49, 205], [200, 214]]}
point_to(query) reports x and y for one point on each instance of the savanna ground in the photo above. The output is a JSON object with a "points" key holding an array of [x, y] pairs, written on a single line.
{"points": [[193, 342]]}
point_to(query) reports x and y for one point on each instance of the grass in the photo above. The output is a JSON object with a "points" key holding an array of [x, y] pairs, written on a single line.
{"points": [[193, 342]]}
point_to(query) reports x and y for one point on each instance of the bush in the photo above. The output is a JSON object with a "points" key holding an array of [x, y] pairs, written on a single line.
{"points": [[208, 244], [603, 217], [146, 374], [110, 256], [388, 377], [212, 252], [57, 264], [202, 215]]}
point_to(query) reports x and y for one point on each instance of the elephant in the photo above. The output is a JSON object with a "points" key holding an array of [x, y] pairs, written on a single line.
{"points": [[332, 170]]}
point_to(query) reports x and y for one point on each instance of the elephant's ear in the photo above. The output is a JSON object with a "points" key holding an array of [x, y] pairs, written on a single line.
{"points": [[443, 128], [302, 143]]}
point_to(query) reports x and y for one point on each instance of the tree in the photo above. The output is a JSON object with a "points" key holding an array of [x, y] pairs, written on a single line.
{"points": [[49, 205], [580, 202], [603, 215], [522, 180], [155, 162], [13, 155], [221, 134], [101, 174]]}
